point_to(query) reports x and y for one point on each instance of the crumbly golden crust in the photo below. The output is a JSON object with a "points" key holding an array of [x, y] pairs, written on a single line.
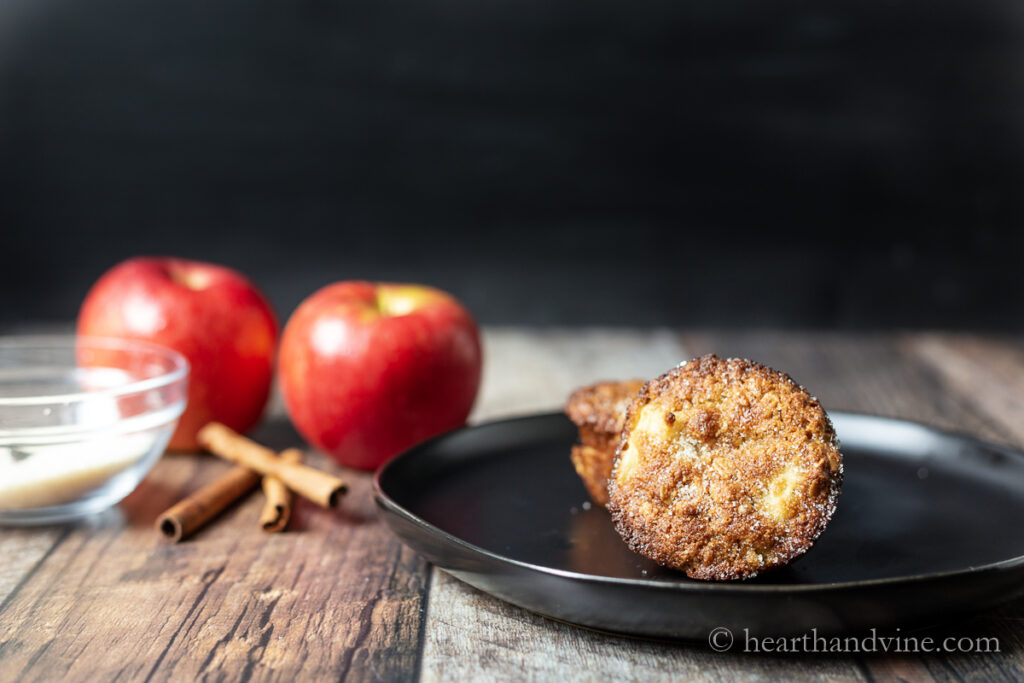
{"points": [[602, 407], [595, 469], [725, 469], [599, 411]]}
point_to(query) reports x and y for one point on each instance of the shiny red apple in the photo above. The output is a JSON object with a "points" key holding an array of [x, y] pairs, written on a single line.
{"points": [[212, 315], [368, 370]]}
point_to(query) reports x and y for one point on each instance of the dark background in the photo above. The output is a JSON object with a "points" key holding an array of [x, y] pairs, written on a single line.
{"points": [[842, 164]]}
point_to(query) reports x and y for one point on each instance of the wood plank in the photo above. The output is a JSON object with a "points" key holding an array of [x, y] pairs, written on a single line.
{"points": [[23, 550], [987, 372], [336, 596], [528, 371], [472, 636]]}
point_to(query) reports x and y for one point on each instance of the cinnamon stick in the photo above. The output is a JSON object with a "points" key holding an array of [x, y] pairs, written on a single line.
{"points": [[321, 488], [277, 509], [191, 514]]}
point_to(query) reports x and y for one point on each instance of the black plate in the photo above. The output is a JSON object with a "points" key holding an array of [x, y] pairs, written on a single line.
{"points": [[929, 524]]}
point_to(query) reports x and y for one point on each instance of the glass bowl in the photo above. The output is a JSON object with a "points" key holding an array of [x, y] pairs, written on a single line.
{"points": [[82, 420]]}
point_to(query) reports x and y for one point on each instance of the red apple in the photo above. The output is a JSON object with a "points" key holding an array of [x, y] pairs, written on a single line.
{"points": [[212, 315], [368, 370]]}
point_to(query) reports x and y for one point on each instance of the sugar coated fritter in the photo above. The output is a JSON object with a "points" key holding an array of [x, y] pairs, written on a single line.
{"points": [[724, 469], [599, 411]]}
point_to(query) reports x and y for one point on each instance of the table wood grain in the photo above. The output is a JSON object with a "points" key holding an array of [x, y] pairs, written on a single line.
{"points": [[338, 597]]}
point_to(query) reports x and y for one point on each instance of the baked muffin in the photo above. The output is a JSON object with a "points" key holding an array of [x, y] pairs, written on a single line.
{"points": [[599, 411], [725, 469]]}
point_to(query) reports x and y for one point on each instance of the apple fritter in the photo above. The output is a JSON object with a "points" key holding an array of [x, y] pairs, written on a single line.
{"points": [[725, 469], [599, 411]]}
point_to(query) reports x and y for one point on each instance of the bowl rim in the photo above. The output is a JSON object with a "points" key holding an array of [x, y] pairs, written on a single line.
{"points": [[179, 371]]}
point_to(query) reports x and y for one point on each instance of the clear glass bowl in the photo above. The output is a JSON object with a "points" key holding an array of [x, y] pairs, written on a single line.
{"points": [[82, 420]]}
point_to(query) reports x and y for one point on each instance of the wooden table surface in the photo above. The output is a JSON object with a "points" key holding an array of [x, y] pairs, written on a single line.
{"points": [[337, 596]]}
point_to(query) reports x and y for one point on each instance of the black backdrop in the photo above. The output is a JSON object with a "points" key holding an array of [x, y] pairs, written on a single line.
{"points": [[838, 164]]}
